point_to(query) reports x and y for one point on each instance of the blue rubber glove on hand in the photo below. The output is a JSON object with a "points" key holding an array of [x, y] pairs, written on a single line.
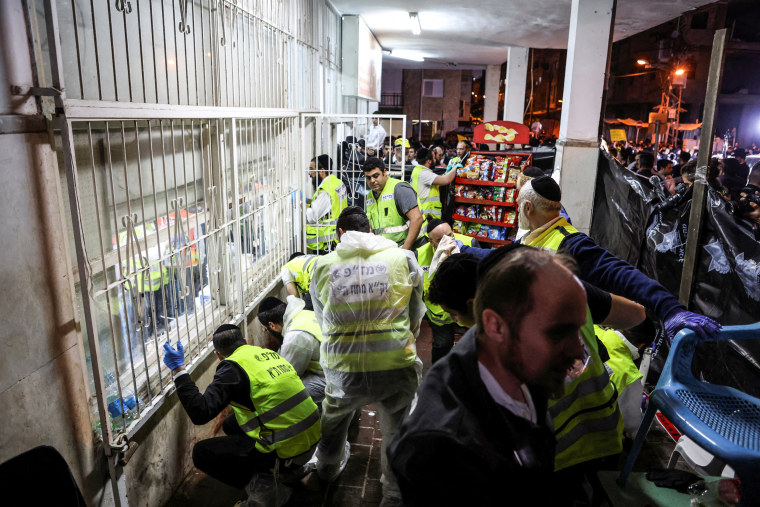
{"points": [[459, 244], [173, 359], [703, 326]]}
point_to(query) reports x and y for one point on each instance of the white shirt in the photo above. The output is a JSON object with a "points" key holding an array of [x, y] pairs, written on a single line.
{"points": [[376, 136], [520, 409], [319, 207]]}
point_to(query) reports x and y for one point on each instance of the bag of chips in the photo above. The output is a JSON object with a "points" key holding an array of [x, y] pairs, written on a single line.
{"points": [[509, 195], [498, 193]]}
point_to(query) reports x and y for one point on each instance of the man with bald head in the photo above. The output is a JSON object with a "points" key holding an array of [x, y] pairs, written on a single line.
{"points": [[441, 322]]}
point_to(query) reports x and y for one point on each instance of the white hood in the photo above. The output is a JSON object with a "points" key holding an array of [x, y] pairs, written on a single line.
{"points": [[354, 240]]}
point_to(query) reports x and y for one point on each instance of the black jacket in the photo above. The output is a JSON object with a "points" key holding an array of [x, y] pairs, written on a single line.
{"points": [[230, 384], [459, 447]]}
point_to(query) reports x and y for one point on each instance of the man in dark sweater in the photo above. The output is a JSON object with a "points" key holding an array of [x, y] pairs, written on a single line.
{"points": [[479, 432]]}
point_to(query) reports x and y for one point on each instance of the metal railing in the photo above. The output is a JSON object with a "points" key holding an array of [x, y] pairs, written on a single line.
{"points": [[179, 135]]}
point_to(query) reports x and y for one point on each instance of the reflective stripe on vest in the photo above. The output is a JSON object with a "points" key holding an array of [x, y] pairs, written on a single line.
{"points": [[320, 235], [552, 238], [303, 266], [587, 422], [306, 321], [434, 312], [429, 202], [285, 420], [383, 215], [365, 315]]}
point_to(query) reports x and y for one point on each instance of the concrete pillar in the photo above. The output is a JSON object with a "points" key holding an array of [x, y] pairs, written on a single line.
{"points": [[578, 143], [514, 88], [491, 106]]}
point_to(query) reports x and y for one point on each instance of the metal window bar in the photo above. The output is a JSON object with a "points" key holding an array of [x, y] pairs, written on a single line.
{"points": [[236, 53], [323, 134]]}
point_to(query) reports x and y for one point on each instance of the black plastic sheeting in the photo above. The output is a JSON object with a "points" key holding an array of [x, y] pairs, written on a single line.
{"points": [[635, 219]]}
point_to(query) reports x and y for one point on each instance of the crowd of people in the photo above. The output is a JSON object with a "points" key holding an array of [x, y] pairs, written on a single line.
{"points": [[540, 389], [676, 170]]}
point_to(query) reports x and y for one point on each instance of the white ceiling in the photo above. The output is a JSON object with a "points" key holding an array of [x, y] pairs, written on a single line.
{"points": [[479, 32]]}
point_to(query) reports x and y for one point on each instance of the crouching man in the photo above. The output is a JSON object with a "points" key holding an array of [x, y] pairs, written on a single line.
{"points": [[297, 332], [274, 427]]}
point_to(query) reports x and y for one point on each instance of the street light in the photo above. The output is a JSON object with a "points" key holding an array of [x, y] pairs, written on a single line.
{"points": [[679, 72], [641, 61]]}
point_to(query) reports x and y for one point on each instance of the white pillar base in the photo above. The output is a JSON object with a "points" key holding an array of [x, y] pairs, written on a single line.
{"points": [[577, 180]]}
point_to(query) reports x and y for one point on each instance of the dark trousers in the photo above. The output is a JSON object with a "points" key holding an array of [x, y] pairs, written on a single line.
{"points": [[443, 340], [233, 459]]}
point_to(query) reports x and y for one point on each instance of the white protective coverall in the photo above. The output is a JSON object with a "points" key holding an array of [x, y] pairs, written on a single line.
{"points": [[367, 296]]}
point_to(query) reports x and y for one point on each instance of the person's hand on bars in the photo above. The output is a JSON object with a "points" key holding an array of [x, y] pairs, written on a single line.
{"points": [[702, 325], [174, 358]]}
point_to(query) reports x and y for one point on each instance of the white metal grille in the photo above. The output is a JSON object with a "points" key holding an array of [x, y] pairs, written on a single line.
{"points": [[180, 138]]}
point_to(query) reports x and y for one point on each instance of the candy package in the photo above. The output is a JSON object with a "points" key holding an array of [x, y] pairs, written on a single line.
{"points": [[509, 195], [488, 213], [499, 174], [513, 174], [504, 233], [459, 227], [460, 210], [498, 194], [483, 231], [459, 190], [473, 193], [486, 193], [485, 170], [499, 214], [472, 211], [473, 229], [495, 232], [509, 217]]}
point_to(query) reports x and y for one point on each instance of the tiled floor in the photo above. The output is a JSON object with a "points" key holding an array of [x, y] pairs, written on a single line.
{"points": [[359, 485]]}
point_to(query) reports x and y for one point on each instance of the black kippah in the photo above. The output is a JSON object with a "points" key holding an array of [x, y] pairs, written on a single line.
{"points": [[269, 303], [432, 224], [547, 188], [533, 172], [226, 327], [494, 257]]}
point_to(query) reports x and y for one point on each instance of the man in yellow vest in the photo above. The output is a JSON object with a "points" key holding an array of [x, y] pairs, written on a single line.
{"points": [[329, 200], [367, 296], [392, 206], [296, 276], [441, 323], [539, 212], [150, 294], [427, 184], [298, 334], [274, 423]]}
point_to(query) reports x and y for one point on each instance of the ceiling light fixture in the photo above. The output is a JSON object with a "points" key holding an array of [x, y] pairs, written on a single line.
{"points": [[414, 18], [408, 55]]}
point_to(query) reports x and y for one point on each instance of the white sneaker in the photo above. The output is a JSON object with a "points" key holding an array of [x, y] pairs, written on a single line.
{"points": [[329, 473]]}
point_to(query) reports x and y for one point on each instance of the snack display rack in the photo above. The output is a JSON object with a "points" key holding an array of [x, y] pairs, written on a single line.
{"points": [[485, 196]]}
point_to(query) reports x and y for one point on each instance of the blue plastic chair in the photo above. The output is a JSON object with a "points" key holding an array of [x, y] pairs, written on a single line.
{"points": [[722, 420]]}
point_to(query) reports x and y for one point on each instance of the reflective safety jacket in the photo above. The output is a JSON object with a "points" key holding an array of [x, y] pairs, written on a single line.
{"points": [[139, 265], [435, 313], [587, 421], [302, 267], [305, 321], [285, 420], [552, 237], [384, 216], [320, 235], [430, 200], [367, 296]]}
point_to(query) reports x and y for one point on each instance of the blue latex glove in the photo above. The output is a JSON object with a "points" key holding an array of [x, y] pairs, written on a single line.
{"points": [[173, 359], [703, 326], [459, 244]]}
